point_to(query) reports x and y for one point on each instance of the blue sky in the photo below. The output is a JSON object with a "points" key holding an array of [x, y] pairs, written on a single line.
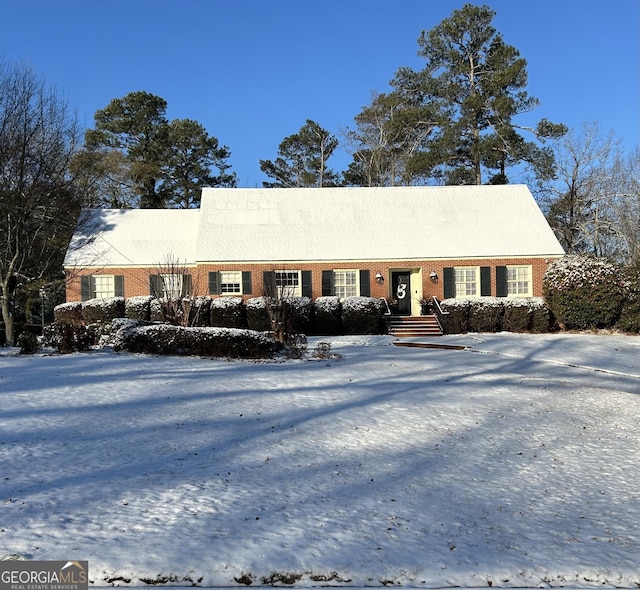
{"points": [[253, 71]]}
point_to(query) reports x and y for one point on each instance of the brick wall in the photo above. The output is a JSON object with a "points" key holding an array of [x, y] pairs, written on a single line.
{"points": [[136, 280]]}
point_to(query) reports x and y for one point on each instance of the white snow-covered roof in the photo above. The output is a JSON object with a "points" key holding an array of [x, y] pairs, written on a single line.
{"points": [[325, 224], [134, 237], [403, 223]]}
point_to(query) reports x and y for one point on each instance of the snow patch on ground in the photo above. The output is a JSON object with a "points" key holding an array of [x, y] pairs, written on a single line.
{"points": [[512, 463]]}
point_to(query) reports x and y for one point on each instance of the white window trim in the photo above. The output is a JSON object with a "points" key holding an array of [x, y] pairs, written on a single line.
{"points": [[529, 269], [476, 270], [222, 282], [356, 272], [290, 290], [105, 280]]}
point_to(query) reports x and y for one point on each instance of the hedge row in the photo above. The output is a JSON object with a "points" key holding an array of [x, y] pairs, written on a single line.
{"points": [[325, 315], [495, 314]]}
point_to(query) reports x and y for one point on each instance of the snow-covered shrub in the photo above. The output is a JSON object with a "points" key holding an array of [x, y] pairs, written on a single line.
{"points": [[301, 314], [102, 310], [526, 314], [28, 342], [67, 338], [257, 315], [584, 292], [138, 308], [199, 311], [228, 312], [211, 342], [629, 320], [156, 310], [362, 315], [456, 320], [485, 314], [328, 316], [69, 313], [541, 316]]}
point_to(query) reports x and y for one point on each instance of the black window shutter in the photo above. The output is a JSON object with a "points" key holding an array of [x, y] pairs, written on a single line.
{"points": [[306, 283], [118, 283], [214, 283], [449, 277], [485, 281], [186, 285], [365, 283], [85, 287], [327, 283], [269, 282], [155, 286], [246, 282], [501, 281]]}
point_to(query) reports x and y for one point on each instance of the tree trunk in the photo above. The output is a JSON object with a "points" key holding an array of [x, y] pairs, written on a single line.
{"points": [[7, 316]]}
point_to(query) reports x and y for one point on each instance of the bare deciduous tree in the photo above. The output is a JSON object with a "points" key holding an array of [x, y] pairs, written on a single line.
{"points": [[39, 205]]}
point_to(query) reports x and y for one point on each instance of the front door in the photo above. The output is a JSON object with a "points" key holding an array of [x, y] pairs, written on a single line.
{"points": [[401, 285]]}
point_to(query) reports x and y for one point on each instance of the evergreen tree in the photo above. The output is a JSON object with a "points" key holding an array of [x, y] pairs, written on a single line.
{"points": [[137, 126], [191, 154], [168, 161], [302, 159], [462, 106]]}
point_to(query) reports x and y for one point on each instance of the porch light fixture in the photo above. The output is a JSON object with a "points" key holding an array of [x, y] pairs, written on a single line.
{"points": [[379, 279], [433, 276]]}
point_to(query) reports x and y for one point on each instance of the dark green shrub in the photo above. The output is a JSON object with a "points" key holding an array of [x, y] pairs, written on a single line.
{"points": [[66, 338], [138, 308], [301, 314], [584, 292], [210, 342], [363, 315], [199, 310], [227, 312], [456, 317], [629, 320], [328, 316], [102, 310], [517, 315], [257, 315], [69, 313], [28, 343], [541, 316], [485, 314]]}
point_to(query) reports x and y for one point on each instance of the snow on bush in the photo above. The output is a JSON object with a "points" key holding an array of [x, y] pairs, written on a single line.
{"points": [[492, 314], [584, 292], [211, 342], [257, 315], [328, 316], [67, 338], [227, 312], [102, 310], [456, 320], [138, 308], [302, 314], [69, 313], [485, 314], [199, 310], [629, 320], [362, 315]]}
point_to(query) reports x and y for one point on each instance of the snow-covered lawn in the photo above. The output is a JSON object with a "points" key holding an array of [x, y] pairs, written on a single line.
{"points": [[513, 463]]}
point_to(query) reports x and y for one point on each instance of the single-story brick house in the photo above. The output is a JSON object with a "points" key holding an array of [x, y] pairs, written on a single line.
{"points": [[403, 244]]}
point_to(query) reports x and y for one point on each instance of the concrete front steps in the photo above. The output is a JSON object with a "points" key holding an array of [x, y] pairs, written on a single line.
{"points": [[413, 326]]}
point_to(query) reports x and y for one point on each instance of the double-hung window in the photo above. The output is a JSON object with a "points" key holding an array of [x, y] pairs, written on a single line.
{"points": [[346, 283], [104, 286], [467, 281], [288, 283], [519, 281], [230, 283]]}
